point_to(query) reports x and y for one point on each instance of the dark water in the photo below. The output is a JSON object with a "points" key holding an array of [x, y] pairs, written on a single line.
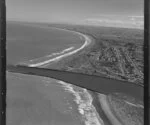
{"points": [[27, 41]]}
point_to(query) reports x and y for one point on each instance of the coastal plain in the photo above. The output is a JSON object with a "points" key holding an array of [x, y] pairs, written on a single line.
{"points": [[114, 53]]}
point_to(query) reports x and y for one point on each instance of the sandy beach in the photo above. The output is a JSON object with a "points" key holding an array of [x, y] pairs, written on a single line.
{"points": [[65, 53]]}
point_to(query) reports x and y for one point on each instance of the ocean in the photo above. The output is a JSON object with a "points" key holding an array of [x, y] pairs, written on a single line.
{"points": [[45, 101], [27, 41], [34, 100], [37, 100]]}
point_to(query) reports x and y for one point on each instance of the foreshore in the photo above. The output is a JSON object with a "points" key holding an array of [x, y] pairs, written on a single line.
{"points": [[61, 54]]}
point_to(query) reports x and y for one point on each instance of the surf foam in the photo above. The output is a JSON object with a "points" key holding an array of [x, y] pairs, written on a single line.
{"points": [[85, 106], [87, 42]]}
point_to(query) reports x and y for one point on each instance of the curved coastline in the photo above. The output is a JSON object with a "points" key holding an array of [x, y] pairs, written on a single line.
{"points": [[86, 43], [67, 52], [90, 114]]}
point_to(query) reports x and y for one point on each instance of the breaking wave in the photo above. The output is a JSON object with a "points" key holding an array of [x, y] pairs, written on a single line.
{"points": [[62, 55], [84, 101]]}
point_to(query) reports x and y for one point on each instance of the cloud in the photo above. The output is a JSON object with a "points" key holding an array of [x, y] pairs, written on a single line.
{"points": [[117, 21], [104, 20]]}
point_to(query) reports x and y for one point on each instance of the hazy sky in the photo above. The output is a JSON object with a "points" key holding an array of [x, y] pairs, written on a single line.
{"points": [[70, 10]]}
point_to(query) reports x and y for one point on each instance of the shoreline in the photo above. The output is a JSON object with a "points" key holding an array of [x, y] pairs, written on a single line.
{"points": [[87, 42], [92, 110], [84, 101]]}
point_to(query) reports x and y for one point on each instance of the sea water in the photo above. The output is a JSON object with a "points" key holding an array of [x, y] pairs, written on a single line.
{"points": [[43, 101], [28, 42], [40, 100]]}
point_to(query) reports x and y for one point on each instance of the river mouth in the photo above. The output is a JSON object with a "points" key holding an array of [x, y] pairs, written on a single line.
{"points": [[114, 85], [57, 57], [98, 83]]}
